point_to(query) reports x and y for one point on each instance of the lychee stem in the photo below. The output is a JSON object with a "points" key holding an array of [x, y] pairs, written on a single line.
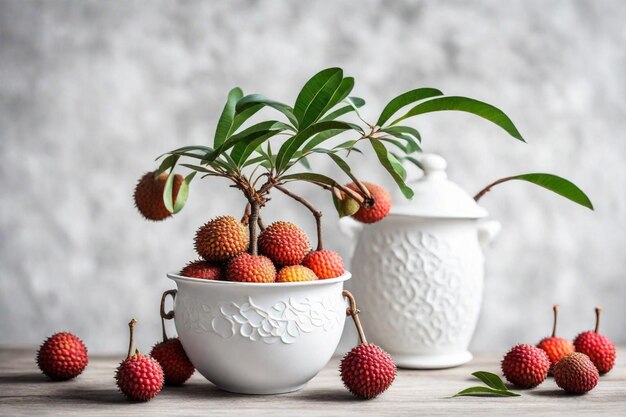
{"points": [[316, 213], [555, 308], [598, 312], [261, 224], [131, 343], [252, 225], [354, 313]]}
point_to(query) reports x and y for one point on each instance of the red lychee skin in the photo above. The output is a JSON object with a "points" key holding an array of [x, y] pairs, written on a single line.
{"points": [[367, 371], [221, 238], [599, 348], [149, 195], [380, 208], [251, 268], [203, 270], [526, 366], [62, 356], [140, 377], [177, 368], [575, 373], [555, 348], [284, 243], [325, 263]]}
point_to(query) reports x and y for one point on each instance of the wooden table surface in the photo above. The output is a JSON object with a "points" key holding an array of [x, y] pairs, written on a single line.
{"points": [[24, 391]]}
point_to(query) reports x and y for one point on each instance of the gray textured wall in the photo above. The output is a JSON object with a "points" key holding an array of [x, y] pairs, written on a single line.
{"points": [[91, 92]]}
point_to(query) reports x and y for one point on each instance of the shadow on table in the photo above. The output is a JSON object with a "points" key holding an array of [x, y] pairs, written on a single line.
{"points": [[550, 393], [30, 378]]}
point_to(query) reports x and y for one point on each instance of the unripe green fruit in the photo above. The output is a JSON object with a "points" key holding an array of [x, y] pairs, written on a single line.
{"points": [[349, 206]]}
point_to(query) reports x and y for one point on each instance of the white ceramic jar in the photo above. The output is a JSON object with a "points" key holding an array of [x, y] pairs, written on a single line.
{"points": [[259, 338], [418, 273]]}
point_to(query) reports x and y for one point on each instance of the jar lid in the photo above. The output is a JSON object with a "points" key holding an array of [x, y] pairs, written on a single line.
{"points": [[437, 196]]}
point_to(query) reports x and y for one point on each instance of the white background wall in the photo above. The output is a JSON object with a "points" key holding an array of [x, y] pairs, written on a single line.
{"points": [[91, 92]]}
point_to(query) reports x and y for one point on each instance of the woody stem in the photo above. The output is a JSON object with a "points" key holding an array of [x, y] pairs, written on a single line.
{"points": [[354, 313], [555, 308], [131, 343], [252, 226], [316, 213], [598, 311]]}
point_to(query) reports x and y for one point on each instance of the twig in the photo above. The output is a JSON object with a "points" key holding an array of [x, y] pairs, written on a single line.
{"points": [[246, 215], [488, 188], [316, 213], [260, 223], [252, 224]]}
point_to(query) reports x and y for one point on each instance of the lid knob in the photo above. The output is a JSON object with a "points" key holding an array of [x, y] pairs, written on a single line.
{"points": [[434, 166]]}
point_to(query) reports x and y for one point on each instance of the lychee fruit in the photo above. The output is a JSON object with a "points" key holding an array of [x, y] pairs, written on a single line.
{"points": [[325, 263], [295, 273], [202, 269], [139, 377], [367, 370], [251, 268], [378, 210], [62, 356], [555, 347], [526, 366], [220, 239], [149, 195], [177, 368], [575, 373], [598, 347], [349, 206], [284, 243]]}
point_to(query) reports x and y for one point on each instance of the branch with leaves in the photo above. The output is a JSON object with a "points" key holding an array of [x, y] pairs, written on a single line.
{"points": [[242, 152]]}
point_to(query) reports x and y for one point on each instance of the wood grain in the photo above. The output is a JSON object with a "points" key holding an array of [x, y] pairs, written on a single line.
{"points": [[24, 391]]}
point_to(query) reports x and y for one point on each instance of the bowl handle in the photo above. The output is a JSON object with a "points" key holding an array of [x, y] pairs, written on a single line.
{"points": [[170, 314]]}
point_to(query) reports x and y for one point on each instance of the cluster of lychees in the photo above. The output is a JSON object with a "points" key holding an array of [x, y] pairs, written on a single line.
{"points": [[284, 250], [576, 366]]}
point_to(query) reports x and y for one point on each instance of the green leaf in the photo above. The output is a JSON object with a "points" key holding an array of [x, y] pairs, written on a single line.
{"points": [[392, 165], [490, 379], [556, 184], [305, 163], [167, 163], [197, 168], [403, 129], [311, 177], [242, 150], [414, 161], [464, 104], [315, 94], [240, 118], [340, 162], [485, 392], [355, 102], [183, 193], [256, 160], [226, 119], [247, 135], [201, 151], [289, 148], [404, 100], [341, 92], [256, 99], [321, 137]]}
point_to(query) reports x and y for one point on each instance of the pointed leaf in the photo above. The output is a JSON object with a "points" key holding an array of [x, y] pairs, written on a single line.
{"points": [[318, 105], [341, 92], [355, 102], [312, 88], [403, 129], [490, 379], [321, 137], [289, 148], [255, 99], [404, 100], [392, 165], [240, 118], [485, 392], [226, 119], [464, 104], [556, 184], [242, 150], [167, 163]]}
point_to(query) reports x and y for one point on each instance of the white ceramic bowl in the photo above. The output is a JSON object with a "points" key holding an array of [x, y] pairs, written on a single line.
{"points": [[259, 338]]}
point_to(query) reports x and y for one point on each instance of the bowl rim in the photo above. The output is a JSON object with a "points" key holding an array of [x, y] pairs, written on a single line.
{"points": [[179, 278]]}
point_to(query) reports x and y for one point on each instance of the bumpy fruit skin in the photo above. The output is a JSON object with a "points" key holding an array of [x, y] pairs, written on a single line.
{"points": [[575, 373], [203, 270], [284, 243], [556, 348], [220, 239], [325, 263], [599, 348], [526, 366], [367, 371], [177, 368], [140, 377], [62, 356], [295, 273], [251, 268], [149, 195], [380, 208]]}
